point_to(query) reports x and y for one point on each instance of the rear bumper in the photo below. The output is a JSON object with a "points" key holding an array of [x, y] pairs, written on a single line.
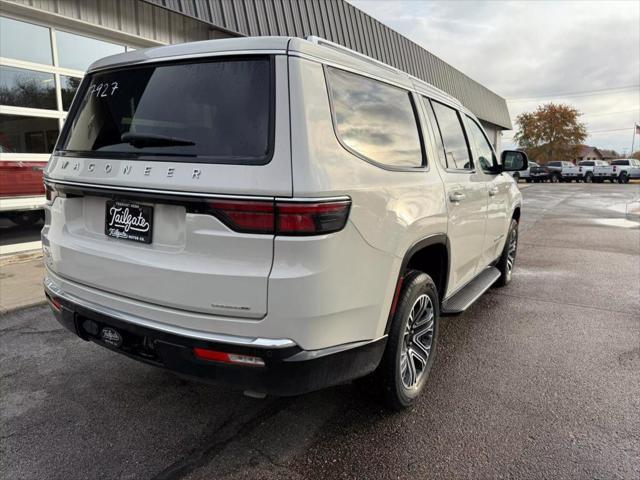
{"points": [[287, 370]]}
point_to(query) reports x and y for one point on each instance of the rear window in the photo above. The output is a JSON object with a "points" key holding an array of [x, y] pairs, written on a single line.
{"points": [[620, 162], [587, 164], [215, 111]]}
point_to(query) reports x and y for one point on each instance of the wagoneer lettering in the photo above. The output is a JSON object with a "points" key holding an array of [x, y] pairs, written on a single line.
{"points": [[282, 221]]}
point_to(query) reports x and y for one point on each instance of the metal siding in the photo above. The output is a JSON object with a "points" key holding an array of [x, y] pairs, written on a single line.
{"points": [[174, 21]]}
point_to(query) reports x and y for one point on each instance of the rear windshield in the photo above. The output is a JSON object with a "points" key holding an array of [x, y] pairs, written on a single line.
{"points": [[215, 111], [620, 162], [587, 164]]}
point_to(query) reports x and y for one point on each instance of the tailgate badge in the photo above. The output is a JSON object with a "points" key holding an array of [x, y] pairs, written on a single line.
{"points": [[111, 336]]}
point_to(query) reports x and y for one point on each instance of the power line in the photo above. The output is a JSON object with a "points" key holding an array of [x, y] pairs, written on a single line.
{"points": [[609, 113], [589, 132], [584, 93]]}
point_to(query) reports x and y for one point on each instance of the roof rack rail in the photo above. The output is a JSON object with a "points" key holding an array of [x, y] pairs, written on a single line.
{"points": [[362, 56], [366, 58]]}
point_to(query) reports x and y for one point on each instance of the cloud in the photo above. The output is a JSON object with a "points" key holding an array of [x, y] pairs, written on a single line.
{"points": [[536, 49]]}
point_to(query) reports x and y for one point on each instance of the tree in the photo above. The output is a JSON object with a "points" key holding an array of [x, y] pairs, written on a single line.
{"points": [[636, 155], [552, 132]]}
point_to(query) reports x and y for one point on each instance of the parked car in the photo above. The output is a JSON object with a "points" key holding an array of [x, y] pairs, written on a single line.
{"points": [[299, 216], [22, 191], [583, 172], [555, 170], [625, 169], [538, 173], [602, 173], [525, 174]]}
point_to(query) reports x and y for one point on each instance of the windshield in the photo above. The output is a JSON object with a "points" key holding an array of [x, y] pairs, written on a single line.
{"points": [[215, 111]]}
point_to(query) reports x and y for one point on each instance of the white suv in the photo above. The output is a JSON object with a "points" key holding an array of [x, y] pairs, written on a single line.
{"points": [[276, 213]]}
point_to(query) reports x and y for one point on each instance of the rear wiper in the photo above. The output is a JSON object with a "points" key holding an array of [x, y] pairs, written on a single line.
{"points": [[140, 140]]}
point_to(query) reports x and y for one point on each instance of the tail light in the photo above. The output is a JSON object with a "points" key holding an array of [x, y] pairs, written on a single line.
{"points": [[579, 169], [282, 217], [50, 193], [224, 357], [614, 168]]}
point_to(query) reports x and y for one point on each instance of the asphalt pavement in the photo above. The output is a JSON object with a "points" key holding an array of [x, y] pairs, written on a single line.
{"points": [[540, 379]]}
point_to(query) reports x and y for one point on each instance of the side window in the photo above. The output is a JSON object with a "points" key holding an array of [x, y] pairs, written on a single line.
{"points": [[375, 119], [456, 149], [486, 159]]}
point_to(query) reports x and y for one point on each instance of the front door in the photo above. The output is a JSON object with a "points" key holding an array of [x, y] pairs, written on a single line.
{"points": [[497, 192], [466, 193]]}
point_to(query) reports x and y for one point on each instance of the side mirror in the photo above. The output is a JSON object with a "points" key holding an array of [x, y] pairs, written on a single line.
{"points": [[514, 161]]}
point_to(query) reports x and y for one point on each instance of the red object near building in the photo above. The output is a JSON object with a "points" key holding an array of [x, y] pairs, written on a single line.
{"points": [[21, 178]]}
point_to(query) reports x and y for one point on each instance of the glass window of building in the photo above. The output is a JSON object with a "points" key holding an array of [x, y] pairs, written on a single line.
{"points": [[77, 52], [27, 88], [25, 41], [23, 134], [68, 87]]}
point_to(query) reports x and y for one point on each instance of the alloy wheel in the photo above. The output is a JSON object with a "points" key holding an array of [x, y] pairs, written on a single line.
{"points": [[417, 342], [511, 251]]}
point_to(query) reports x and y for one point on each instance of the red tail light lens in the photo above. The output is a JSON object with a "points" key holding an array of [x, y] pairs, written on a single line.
{"points": [[312, 218], [50, 193], [282, 218], [245, 216]]}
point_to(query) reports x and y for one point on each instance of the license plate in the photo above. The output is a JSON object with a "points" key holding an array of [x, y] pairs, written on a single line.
{"points": [[128, 221]]}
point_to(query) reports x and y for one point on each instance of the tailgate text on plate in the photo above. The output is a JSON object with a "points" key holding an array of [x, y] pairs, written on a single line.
{"points": [[128, 221]]}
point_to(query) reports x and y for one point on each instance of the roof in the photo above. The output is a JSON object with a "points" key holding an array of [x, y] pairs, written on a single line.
{"points": [[342, 23], [316, 48]]}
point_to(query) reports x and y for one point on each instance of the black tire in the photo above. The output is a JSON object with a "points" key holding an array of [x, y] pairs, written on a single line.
{"points": [[506, 263], [516, 177], [390, 380], [588, 178], [623, 178], [555, 178], [528, 180]]}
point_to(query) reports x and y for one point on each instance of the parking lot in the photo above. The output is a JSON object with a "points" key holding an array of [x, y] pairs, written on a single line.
{"points": [[540, 379]]}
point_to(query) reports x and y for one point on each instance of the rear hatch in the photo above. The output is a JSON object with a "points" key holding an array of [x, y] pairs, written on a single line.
{"points": [[151, 169], [602, 170], [570, 171]]}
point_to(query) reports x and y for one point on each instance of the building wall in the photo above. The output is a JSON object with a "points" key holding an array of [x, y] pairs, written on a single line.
{"points": [[30, 123], [141, 22], [340, 22]]}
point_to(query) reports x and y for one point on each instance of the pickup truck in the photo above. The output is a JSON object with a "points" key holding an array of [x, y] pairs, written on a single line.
{"points": [[625, 169], [22, 191], [583, 172], [555, 169], [621, 171]]}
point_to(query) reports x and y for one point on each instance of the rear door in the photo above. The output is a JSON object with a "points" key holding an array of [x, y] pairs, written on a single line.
{"points": [[156, 164], [466, 193]]}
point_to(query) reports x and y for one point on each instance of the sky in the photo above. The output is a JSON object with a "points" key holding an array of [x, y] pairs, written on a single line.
{"points": [[583, 53]]}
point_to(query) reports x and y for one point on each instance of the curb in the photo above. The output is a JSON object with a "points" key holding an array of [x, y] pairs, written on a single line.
{"points": [[35, 303]]}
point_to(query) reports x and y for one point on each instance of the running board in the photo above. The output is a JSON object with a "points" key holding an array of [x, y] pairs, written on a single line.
{"points": [[470, 292]]}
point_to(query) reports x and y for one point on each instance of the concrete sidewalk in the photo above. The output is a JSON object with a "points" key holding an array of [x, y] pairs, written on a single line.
{"points": [[21, 282]]}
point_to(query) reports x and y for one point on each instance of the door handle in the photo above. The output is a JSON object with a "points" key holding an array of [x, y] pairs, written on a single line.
{"points": [[493, 191], [456, 197]]}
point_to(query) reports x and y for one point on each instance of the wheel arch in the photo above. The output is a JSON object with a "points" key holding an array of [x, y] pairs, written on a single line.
{"points": [[430, 255]]}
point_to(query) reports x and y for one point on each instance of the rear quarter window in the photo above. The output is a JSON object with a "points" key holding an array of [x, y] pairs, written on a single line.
{"points": [[213, 111], [374, 120]]}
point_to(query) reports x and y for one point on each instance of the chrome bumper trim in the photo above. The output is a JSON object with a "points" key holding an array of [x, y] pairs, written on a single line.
{"points": [[55, 290]]}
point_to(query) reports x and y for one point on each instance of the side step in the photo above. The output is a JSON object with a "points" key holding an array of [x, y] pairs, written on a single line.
{"points": [[470, 292]]}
